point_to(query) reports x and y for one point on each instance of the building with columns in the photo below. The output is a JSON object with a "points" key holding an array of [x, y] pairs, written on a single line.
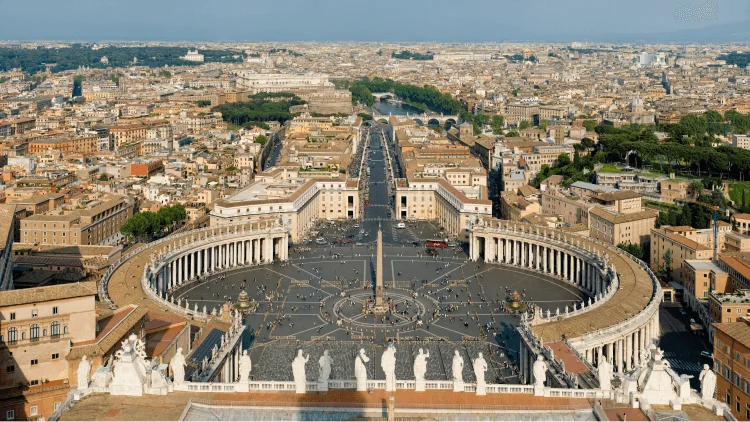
{"points": [[300, 202], [620, 319]]}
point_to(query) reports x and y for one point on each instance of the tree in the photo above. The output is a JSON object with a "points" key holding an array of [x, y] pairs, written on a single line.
{"points": [[497, 124], [668, 263], [590, 125], [632, 249], [524, 125], [563, 160], [696, 187], [261, 139], [543, 124], [686, 217], [104, 177]]}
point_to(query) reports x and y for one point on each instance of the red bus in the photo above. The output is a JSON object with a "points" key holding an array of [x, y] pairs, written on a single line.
{"points": [[436, 243]]}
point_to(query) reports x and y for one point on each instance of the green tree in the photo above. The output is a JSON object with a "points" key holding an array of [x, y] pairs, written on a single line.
{"points": [[524, 125], [261, 139], [632, 249], [590, 125], [667, 268], [543, 124], [497, 124]]}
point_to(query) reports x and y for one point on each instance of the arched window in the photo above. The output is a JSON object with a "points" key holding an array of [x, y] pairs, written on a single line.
{"points": [[34, 332], [65, 329], [12, 334], [55, 327]]}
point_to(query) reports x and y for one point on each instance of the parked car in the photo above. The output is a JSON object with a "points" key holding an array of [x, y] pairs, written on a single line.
{"points": [[683, 311], [707, 355]]}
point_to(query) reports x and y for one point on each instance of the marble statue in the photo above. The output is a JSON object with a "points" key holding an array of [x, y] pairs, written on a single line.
{"points": [[605, 374], [707, 378], [245, 367], [388, 363], [177, 366], [420, 364], [540, 372], [480, 367], [458, 367], [360, 370], [83, 373], [325, 363], [298, 371]]}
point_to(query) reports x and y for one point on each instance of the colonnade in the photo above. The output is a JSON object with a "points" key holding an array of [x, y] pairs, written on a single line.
{"points": [[207, 256], [561, 260], [584, 263]]}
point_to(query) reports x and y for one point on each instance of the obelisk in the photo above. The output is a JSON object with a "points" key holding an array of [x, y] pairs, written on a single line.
{"points": [[379, 307]]}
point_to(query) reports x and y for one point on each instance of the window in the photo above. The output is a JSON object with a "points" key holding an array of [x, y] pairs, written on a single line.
{"points": [[55, 356], [55, 328], [33, 410], [737, 355], [12, 316], [34, 362], [10, 369], [34, 332], [34, 382], [54, 310], [737, 380], [10, 415], [12, 334], [34, 313]]}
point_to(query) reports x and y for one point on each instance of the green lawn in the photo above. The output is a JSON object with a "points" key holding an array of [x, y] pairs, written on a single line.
{"points": [[735, 192]]}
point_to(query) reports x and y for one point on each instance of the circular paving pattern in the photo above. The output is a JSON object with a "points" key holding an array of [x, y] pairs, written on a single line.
{"points": [[349, 309]]}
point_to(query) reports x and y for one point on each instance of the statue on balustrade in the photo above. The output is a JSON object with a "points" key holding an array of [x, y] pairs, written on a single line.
{"points": [[83, 373], [707, 378], [388, 363], [360, 370], [325, 362], [177, 366], [480, 367], [458, 367], [540, 372], [245, 367], [298, 372], [420, 364]]}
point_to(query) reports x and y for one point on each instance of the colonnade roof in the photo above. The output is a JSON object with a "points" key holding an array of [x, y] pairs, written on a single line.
{"points": [[636, 290]]}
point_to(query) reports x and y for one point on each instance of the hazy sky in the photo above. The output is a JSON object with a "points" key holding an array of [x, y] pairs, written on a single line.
{"points": [[359, 20]]}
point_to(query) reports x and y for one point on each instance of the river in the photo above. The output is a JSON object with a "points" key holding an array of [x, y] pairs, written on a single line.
{"points": [[396, 109]]}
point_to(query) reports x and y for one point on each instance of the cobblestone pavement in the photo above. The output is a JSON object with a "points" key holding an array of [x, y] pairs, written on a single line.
{"points": [[454, 299]]}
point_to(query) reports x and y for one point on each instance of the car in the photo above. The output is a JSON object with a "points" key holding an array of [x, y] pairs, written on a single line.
{"points": [[356, 226], [707, 355], [692, 321], [320, 241], [683, 311], [401, 226], [358, 243]]}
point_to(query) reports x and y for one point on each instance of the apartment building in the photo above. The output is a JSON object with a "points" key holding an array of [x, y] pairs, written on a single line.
{"points": [[622, 227], [741, 141], [7, 224], [37, 328], [98, 223], [682, 244], [732, 366], [702, 278], [127, 133]]}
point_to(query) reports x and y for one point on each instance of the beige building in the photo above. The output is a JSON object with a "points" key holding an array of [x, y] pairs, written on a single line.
{"points": [[36, 327], [741, 141], [93, 225], [7, 223], [682, 244], [294, 197], [615, 228]]}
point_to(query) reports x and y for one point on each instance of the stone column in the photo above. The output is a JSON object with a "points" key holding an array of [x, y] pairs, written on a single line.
{"points": [[628, 352], [523, 253], [256, 250], [522, 363], [173, 269]]}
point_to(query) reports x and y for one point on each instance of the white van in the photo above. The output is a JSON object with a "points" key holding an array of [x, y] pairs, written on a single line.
{"points": [[401, 225]]}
